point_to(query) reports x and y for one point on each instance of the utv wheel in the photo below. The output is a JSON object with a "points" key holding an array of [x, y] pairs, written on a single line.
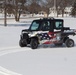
{"points": [[34, 43], [23, 43], [69, 43]]}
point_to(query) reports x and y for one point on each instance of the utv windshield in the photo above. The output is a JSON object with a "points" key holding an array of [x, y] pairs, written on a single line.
{"points": [[34, 26]]}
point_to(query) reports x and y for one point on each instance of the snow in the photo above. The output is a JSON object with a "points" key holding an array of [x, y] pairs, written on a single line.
{"points": [[12, 22], [49, 60]]}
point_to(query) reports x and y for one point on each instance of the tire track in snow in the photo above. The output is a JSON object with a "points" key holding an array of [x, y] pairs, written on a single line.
{"points": [[8, 50], [4, 71]]}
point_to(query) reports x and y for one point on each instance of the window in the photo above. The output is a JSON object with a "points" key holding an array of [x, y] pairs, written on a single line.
{"points": [[34, 26], [58, 25], [45, 26]]}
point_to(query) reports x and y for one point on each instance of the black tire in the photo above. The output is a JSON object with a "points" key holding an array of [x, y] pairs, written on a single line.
{"points": [[69, 43], [34, 43], [23, 43]]}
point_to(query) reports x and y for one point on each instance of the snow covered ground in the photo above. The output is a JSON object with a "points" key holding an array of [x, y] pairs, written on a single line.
{"points": [[42, 61]]}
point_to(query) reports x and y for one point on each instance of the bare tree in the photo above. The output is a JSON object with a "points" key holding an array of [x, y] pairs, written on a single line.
{"points": [[60, 5], [18, 8], [5, 14], [73, 11], [34, 7]]}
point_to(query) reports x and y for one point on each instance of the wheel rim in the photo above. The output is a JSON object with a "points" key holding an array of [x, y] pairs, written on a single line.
{"points": [[71, 44]]}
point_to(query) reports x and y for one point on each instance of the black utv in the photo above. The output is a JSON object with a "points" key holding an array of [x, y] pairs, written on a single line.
{"points": [[47, 31]]}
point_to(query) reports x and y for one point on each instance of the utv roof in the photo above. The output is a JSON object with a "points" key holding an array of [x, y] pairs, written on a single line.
{"points": [[51, 18]]}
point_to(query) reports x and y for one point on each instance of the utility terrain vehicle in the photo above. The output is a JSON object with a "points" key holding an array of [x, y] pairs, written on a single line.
{"points": [[47, 31]]}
